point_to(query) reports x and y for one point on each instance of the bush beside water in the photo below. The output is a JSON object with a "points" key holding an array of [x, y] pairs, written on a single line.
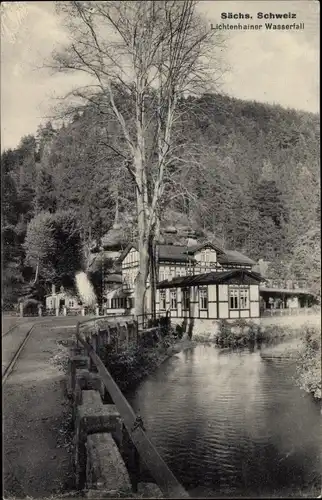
{"points": [[308, 359], [130, 365], [241, 333], [309, 363]]}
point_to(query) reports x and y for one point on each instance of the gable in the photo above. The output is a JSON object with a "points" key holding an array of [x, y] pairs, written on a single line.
{"points": [[131, 246], [131, 257], [206, 255], [203, 246]]}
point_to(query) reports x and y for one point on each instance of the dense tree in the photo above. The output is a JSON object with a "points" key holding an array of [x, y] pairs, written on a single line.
{"points": [[234, 182], [53, 247], [163, 49], [45, 195]]}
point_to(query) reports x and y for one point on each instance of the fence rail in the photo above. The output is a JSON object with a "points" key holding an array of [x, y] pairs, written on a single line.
{"points": [[296, 311], [164, 478], [149, 320]]}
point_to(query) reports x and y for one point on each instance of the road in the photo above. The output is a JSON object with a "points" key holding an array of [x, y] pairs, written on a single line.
{"points": [[36, 463]]}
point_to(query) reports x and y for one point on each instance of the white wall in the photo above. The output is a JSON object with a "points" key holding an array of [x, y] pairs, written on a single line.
{"points": [[52, 301]]}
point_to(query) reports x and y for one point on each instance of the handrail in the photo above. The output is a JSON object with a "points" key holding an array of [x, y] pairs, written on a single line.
{"points": [[167, 482], [111, 316]]}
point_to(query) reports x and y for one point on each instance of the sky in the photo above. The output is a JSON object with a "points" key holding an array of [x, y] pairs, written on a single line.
{"points": [[266, 66]]}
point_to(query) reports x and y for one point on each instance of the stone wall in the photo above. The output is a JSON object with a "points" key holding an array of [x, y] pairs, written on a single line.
{"points": [[208, 329], [98, 440]]}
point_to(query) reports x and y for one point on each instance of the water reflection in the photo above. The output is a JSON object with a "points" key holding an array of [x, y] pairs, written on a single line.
{"points": [[231, 423]]}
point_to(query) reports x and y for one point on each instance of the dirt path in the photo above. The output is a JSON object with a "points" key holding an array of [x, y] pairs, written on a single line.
{"points": [[35, 409]]}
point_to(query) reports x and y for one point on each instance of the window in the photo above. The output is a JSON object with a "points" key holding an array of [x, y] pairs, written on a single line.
{"points": [[129, 303], [162, 304], [203, 256], [203, 298], [186, 299], [243, 298], [71, 303], [173, 299], [181, 271], [238, 298], [118, 303], [233, 298]]}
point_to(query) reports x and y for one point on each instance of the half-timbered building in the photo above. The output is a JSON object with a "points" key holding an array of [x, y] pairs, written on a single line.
{"points": [[231, 294], [200, 281]]}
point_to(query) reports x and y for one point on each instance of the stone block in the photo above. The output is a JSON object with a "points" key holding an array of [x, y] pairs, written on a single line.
{"points": [[74, 363], [92, 416], [77, 351], [105, 468], [149, 490], [89, 381], [85, 381]]}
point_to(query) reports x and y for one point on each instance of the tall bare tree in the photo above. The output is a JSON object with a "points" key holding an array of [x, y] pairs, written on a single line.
{"points": [[154, 53]]}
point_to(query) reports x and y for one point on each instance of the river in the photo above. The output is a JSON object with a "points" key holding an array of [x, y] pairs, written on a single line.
{"points": [[231, 424]]}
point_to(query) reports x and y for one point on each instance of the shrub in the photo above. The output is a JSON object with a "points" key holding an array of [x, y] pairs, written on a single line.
{"points": [[308, 372], [130, 365]]}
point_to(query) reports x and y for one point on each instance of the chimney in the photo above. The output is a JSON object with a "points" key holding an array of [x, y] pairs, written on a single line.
{"points": [[53, 289]]}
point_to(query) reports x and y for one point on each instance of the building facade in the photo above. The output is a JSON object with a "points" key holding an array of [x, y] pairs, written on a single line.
{"points": [[58, 300], [183, 286], [232, 294]]}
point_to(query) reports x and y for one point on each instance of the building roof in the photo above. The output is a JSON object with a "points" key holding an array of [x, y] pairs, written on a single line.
{"points": [[208, 278], [177, 253], [285, 291], [118, 293], [182, 253], [113, 278], [234, 257], [65, 293], [114, 239], [194, 248]]}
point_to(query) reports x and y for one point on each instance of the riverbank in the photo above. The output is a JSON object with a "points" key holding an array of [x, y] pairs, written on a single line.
{"points": [[240, 334], [234, 421], [134, 363], [309, 363]]}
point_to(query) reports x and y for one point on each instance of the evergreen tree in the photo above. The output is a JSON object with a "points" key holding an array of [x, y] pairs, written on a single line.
{"points": [[45, 195]]}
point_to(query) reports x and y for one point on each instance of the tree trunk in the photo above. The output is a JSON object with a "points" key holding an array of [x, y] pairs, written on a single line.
{"points": [[152, 260], [143, 238], [116, 217], [140, 288]]}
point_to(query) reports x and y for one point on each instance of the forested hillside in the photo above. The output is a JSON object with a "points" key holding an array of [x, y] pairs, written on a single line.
{"points": [[245, 173]]}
